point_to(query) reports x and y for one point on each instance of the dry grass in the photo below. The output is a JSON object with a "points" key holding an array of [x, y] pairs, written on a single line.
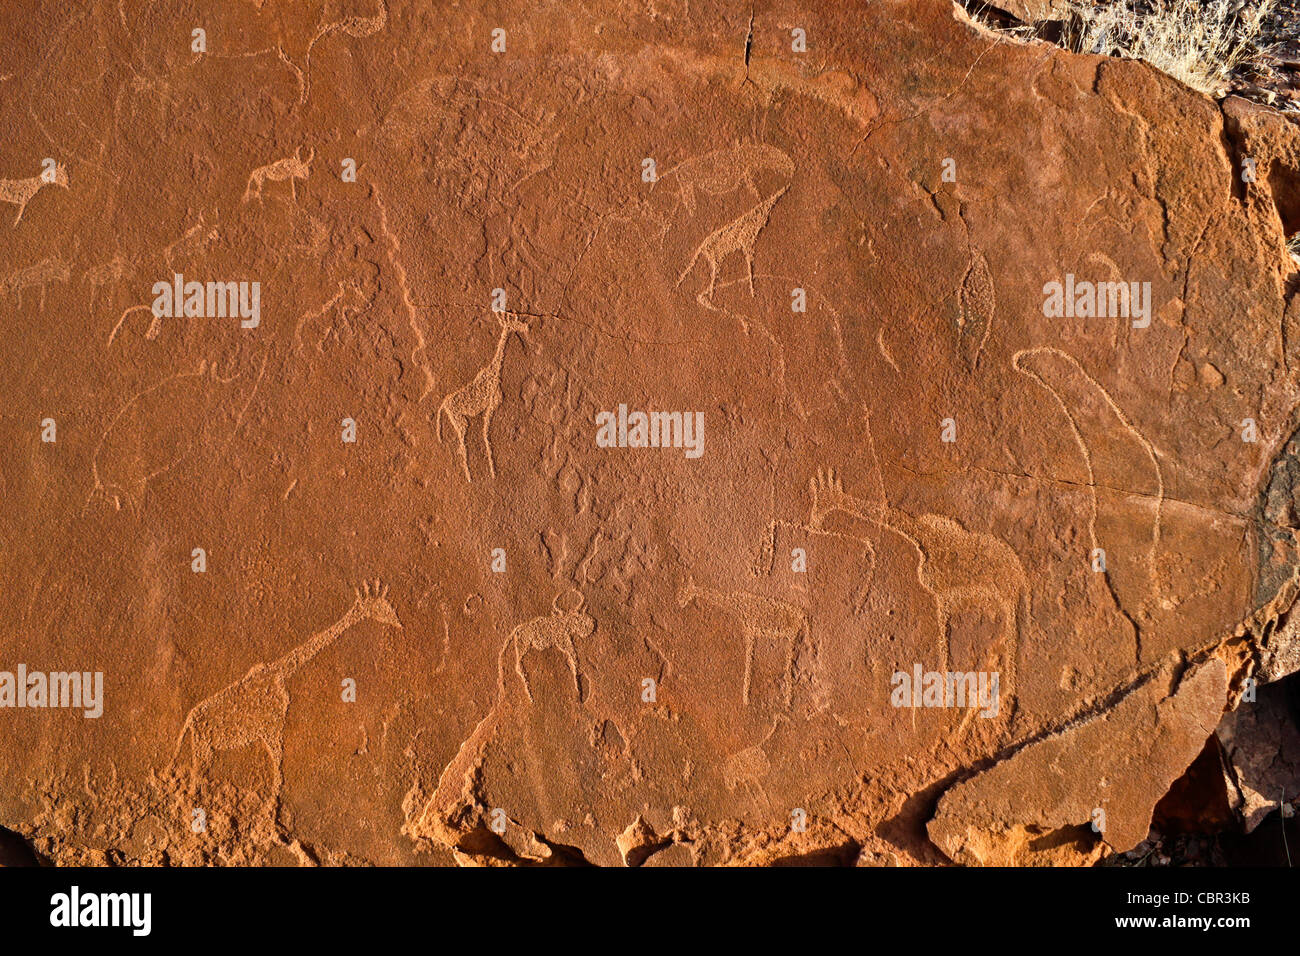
{"points": [[1203, 43]]}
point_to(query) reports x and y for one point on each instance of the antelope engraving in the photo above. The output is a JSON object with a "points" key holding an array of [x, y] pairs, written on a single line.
{"points": [[37, 276], [253, 709], [482, 396], [19, 192], [557, 630], [290, 168], [758, 616], [739, 235]]}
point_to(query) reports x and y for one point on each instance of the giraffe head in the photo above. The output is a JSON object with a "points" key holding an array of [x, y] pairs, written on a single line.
{"points": [[509, 323], [372, 603]]}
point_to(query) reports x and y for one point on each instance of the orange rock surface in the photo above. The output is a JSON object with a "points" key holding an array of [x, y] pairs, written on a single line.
{"points": [[363, 582]]}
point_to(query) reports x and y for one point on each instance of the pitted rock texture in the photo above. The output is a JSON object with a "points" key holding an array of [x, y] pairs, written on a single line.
{"points": [[646, 672]]}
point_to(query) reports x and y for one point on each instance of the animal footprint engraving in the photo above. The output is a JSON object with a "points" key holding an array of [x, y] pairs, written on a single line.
{"points": [[290, 168], [19, 192], [253, 709], [759, 617], [739, 235], [557, 630], [482, 396]]}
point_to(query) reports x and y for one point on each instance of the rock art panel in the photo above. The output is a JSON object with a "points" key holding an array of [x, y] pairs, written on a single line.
{"points": [[753, 455]]}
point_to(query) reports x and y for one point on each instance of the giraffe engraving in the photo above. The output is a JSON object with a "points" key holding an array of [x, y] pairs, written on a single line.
{"points": [[739, 235], [957, 568], [482, 396], [253, 709]]}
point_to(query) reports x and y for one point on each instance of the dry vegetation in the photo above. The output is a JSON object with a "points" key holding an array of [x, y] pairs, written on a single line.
{"points": [[1203, 43]]}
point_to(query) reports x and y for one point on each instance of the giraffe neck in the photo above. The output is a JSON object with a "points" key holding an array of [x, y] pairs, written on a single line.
{"points": [[305, 651], [498, 359]]}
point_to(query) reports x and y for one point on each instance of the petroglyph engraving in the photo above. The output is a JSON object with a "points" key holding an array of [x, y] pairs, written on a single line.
{"points": [[482, 396], [739, 235], [758, 617], [134, 449], [557, 630], [37, 276], [958, 568], [291, 168], [978, 302], [19, 192], [1100, 427], [253, 709], [724, 170]]}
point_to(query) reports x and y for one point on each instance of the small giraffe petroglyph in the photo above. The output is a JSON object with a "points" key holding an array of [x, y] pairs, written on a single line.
{"points": [[958, 568], [482, 396], [290, 168], [19, 192], [739, 235], [723, 170], [253, 709], [558, 630], [758, 616], [37, 276]]}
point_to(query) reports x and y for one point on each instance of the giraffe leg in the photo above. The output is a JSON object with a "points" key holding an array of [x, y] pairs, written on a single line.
{"points": [[458, 425], [943, 610], [789, 668], [200, 753], [749, 663], [519, 666], [487, 441], [572, 655], [705, 298], [275, 751]]}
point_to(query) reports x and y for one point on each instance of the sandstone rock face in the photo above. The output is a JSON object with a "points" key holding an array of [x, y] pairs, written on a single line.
{"points": [[363, 576]]}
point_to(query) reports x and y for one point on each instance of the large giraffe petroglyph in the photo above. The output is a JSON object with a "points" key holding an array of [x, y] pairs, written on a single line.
{"points": [[253, 709], [739, 235]]}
